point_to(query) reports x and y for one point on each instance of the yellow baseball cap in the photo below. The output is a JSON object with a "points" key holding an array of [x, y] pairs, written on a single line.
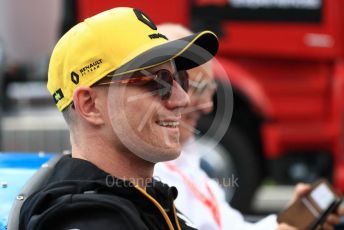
{"points": [[116, 42]]}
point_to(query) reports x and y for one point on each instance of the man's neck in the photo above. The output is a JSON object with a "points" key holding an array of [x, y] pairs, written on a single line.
{"points": [[120, 164]]}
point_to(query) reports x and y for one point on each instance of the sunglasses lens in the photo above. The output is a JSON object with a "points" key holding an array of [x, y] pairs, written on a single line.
{"points": [[183, 79], [164, 83], [165, 79]]}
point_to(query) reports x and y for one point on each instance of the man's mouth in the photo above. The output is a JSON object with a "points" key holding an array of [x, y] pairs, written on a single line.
{"points": [[168, 124]]}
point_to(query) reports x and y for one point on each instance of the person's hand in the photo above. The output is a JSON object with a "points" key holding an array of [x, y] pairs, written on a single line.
{"points": [[331, 220], [284, 226], [300, 190]]}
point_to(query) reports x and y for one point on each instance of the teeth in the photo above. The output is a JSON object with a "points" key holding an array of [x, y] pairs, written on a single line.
{"points": [[168, 123]]}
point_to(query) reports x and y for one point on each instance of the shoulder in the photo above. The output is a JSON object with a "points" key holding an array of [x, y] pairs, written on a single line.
{"points": [[80, 211]]}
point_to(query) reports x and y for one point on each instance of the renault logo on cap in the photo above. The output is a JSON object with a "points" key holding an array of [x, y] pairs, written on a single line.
{"points": [[75, 77]]}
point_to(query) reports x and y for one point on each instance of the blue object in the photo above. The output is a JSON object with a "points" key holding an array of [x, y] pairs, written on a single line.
{"points": [[15, 170]]}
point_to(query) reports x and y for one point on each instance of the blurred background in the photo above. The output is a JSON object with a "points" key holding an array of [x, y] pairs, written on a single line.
{"points": [[284, 59]]}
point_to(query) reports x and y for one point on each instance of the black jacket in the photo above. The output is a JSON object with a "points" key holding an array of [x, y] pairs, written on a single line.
{"points": [[79, 195]]}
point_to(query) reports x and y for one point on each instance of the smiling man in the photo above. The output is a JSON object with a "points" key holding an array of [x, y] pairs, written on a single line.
{"points": [[121, 86]]}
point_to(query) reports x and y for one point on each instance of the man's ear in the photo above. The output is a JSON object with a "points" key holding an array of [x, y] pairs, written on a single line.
{"points": [[84, 99]]}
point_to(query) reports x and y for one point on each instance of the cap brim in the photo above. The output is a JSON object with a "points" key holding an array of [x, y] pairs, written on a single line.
{"points": [[187, 52]]}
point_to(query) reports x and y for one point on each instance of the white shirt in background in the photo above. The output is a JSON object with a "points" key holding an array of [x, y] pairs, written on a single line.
{"points": [[201, 198]]}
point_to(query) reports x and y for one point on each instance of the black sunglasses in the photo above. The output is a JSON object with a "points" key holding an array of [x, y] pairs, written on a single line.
{"points": [[161, 81]]}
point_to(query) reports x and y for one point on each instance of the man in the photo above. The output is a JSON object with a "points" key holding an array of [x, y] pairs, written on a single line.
{"points": [[201, 198], [114, 77]]}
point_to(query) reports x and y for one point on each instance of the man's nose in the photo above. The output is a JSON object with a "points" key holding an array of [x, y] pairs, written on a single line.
{"points": [[179, 98]]}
